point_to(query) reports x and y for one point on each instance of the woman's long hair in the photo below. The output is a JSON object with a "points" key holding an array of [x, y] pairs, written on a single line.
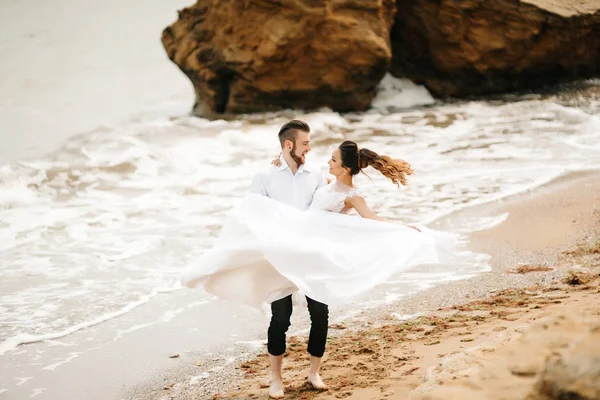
{"points": [[357, 159]]}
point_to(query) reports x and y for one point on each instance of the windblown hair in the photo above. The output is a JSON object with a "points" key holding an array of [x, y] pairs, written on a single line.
{"points": [[289, 131], [357, 159]]}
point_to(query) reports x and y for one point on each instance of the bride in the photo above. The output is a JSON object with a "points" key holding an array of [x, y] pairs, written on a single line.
{"points": [[268, 250]]}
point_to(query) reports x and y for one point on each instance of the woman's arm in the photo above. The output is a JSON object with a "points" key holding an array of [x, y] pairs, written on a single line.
{"points": [[361, 207]]}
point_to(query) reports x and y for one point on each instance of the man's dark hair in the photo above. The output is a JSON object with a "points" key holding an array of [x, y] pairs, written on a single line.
{"points": [[290, 130]]}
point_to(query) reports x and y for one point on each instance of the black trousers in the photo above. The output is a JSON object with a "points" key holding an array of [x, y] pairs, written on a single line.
{"points": [[280, 322]]}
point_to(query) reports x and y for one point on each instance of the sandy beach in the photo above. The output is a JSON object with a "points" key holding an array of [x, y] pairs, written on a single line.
{"points": [[546, 259]]}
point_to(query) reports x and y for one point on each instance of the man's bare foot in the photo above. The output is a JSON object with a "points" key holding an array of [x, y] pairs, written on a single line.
{"points": [[316, 382], [276, 390]]}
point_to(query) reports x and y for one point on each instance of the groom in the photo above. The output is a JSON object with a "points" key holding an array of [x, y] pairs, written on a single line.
{"points": [[293, 183]]}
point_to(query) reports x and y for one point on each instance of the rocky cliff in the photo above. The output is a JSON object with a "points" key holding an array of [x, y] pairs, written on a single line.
{"points": [[465, 47], [257, 55]]}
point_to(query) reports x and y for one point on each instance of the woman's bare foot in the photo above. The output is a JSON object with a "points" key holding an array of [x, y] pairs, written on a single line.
{"points": [[276, 390], [316, 382]]}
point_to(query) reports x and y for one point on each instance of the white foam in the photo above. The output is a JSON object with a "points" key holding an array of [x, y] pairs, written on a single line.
{"points": [[255, 344], [68, 359], [395, 93], [53, 343], [37, 392], [16, 195], [405, 317], [131, 329], [194, 380], [482, 223], [13, 342], [21, 381], [393, 297], [515, 190], [171, 314], [167, 316]]}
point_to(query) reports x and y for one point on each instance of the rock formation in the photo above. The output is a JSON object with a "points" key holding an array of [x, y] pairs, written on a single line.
{"points": [[556, 358], [258, 55], [465, 47]]}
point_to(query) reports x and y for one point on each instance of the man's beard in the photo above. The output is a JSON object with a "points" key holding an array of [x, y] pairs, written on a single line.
{"points": [[299, 159]]}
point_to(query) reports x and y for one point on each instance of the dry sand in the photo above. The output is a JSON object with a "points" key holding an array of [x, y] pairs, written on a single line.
{"points": [[546, 258]]}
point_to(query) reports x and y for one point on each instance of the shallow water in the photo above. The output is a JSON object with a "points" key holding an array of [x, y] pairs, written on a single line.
{"points": [[113, 216]]}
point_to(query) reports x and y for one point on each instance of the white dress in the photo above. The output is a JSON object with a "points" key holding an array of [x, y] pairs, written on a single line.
{"points": [[268, 250]]}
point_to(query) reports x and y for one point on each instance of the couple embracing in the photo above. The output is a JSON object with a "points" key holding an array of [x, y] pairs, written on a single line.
{"points": [[293, 235]]}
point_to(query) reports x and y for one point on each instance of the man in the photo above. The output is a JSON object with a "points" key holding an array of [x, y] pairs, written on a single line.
{"points": [[294, 184]]}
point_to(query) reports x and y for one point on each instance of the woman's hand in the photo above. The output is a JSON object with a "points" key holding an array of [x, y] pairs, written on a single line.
{"points": [[276, 161]]}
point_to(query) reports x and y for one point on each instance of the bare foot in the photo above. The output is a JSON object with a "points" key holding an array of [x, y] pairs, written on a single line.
{"points": [[316, 382], [276, 390]]}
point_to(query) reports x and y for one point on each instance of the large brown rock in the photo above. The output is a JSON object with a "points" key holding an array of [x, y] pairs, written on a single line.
{"points": [[466, 47], [557, 358], [257, 55]]}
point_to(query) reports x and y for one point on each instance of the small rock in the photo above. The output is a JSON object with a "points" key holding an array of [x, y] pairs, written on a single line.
{"points": [[410, 371]]}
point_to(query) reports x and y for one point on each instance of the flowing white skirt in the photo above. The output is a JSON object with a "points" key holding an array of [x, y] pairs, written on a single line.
{"points": [[268, 250]]}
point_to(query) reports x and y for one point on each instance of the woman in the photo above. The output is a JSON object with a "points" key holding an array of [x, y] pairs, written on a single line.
{"points": [[268, 250], [348, 160]]}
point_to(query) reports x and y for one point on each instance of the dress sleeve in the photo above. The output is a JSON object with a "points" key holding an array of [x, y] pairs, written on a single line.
{"points": [[353, 193]]}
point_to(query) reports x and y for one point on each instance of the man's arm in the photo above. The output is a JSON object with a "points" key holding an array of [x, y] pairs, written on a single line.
{"points": [[258, 186]]}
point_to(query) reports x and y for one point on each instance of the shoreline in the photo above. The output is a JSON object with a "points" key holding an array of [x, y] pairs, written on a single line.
{"points": [[161, 350], [570, 199]]}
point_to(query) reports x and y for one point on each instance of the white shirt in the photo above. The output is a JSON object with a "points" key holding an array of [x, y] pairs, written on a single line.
{"points": [[280, 184]]}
